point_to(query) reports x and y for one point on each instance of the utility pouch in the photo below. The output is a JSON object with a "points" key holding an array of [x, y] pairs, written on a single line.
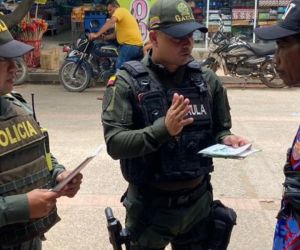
{"points": [[153, 104], [222, 221]]}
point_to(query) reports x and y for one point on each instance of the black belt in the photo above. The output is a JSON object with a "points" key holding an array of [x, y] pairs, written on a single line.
{"points": [[171, 199]]}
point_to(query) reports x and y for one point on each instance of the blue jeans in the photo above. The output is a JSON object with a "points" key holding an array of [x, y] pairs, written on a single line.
{"points": [[127, 53]]}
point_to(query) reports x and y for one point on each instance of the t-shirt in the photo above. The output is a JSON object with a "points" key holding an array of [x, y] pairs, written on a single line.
{"points": [[127, 28]]}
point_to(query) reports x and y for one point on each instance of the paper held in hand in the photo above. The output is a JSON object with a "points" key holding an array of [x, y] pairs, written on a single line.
{"points": [[77, 170], [224, 151]]}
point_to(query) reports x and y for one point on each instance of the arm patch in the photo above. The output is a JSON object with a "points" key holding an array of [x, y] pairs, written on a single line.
{"points": [[111, 81]]}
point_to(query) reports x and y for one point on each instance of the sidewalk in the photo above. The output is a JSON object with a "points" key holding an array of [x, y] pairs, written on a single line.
{"points": [[51, 76]]}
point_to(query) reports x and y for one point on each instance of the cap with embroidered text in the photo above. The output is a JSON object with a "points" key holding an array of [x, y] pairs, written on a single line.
{"points": [[173, 17], [289, 24], [9, 47]]}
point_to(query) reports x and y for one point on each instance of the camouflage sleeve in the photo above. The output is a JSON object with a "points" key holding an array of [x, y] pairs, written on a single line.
{"points": [[13, 209], [221, 108], [57, 169], [18, 14], [122, 138]]}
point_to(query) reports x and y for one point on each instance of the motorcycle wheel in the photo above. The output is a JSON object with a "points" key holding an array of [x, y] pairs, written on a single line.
{"points": [[269, 75], [22, 71], [77, 84]]}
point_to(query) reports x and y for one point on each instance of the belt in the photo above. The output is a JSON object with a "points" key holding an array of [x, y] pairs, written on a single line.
{"points": [[140, 46], [178, 185], [169, 199]]}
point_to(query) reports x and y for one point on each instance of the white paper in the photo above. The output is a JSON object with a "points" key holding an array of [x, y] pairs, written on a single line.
{"points": [[224, 151], [77, 170]]}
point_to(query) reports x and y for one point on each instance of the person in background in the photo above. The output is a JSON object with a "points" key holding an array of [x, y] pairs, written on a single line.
{"points": [[27, 169], [157, 115], [127, 33], [287, 57]]}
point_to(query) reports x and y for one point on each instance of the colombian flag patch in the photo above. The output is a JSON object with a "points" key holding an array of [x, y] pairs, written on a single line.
{"points": [[111, 81]]}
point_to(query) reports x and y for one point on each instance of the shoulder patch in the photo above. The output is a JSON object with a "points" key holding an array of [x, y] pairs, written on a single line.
{"points": [[111, 81]]}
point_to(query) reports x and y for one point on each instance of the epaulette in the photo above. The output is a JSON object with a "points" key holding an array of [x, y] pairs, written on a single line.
{"points": [[135, 68], [18, 96], [194, 65]]}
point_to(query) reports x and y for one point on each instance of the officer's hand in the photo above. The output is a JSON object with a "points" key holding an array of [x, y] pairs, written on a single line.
{"points": [[72, 187], [93, 36], [235, 141], [176, 117], [41, 202]]}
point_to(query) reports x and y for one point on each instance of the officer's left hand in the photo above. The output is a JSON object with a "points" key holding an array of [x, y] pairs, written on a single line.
{"points": [[72, 187], [176, 117], [235, 141]]}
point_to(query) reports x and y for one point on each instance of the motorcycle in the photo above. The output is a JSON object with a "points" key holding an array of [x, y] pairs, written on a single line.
{"points": [[87, 60], [240, 58]]}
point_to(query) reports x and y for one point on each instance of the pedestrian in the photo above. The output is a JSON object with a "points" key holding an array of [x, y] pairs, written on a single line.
{"points": [[157, 114], [287, 35], [127, 33], [27, 168]]}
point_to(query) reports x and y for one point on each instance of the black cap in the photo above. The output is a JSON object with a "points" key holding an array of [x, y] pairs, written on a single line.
{"points": [[288, 26]]}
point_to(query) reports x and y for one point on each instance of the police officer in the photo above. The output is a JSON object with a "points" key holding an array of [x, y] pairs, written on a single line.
{"points": [[287, 35], [27, 169], [157, 114]]}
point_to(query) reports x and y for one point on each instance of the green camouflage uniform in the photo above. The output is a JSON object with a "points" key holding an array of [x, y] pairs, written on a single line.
{"points": [[153, 227]]}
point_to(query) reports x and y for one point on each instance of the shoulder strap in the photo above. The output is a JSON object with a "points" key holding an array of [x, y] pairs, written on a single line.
{"points": [[195, 75], [135, 68], [142, 79], [18, 100]]}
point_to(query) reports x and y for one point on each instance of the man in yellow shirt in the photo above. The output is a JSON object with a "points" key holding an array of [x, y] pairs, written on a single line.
{"points": [[127, 33]]}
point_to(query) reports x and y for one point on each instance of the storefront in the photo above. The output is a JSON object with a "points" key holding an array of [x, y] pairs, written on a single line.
{"points": [[240, 16]]}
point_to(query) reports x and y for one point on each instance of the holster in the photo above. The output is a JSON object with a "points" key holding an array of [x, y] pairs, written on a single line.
{"points": [[222, 221]]}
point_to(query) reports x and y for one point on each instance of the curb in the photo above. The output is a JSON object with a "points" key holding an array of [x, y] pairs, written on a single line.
{"points": [[41, 77], [52, 77]]}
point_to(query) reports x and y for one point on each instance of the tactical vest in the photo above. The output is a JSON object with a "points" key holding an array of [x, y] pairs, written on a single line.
{"points": [[177, 159], [23, 168]]}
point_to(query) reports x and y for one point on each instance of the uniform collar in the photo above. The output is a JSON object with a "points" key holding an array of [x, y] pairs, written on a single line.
{"points": [[169, 78]]}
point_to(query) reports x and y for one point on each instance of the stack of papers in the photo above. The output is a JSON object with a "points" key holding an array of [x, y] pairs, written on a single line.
{"points": [[77, 170], [224, 151]]}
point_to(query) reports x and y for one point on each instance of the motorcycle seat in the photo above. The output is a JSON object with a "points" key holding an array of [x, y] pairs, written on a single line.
{"points": [[263, 49], [111, 48]]}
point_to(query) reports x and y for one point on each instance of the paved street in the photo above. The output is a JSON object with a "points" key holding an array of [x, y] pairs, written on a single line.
{"points": [[268, 117]]}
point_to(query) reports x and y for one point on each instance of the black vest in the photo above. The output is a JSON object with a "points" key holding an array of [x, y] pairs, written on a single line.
{"points": [[177, 159]]}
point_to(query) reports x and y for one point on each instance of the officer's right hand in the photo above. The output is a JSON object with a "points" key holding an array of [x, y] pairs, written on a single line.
{"points": [[41, 202], [176, 117]]}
